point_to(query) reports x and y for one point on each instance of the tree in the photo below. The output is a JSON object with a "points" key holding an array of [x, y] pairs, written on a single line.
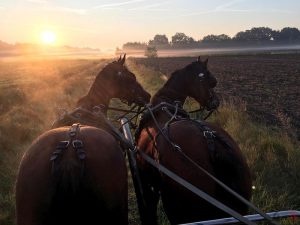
{"points": [[159, 40], [256, 34], [216, 38], [289, 34], [151, 52], [134, 45], [182, 40], [262, 33]]}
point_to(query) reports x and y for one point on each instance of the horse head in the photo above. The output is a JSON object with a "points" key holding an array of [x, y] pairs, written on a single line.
{"points": [[116, 81], [127, 88], [200, 84]]}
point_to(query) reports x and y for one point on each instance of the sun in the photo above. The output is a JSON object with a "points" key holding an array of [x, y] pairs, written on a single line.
{"points": [[48, 37]]}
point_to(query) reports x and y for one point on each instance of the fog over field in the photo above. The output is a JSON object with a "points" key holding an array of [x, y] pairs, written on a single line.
{"points": [[110, 53], [218, 51]]}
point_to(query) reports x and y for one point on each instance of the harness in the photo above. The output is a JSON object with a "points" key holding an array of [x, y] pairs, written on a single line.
{"points": [[211, 136], [63, 146], [74, 118], [176, 114], [93, 118]]}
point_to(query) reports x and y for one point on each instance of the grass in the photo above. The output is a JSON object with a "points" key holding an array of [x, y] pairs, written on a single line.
{"points": [[273, 156], [32, 92]]}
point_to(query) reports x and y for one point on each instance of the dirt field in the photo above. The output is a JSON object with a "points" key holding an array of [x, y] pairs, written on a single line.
{"points": [[268, 84]]}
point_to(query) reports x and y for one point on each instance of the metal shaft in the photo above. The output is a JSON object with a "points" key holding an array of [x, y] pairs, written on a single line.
{"points": [[133, 167]]}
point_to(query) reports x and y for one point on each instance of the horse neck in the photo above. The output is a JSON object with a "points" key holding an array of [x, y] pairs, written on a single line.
{"points": [[98, 95], [173, 90]]}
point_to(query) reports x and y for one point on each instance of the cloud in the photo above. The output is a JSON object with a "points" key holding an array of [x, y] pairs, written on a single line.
{"points": [[152, 7], [219, 8], [113, 5], [66, 10], [258, 10], [228, 4]]}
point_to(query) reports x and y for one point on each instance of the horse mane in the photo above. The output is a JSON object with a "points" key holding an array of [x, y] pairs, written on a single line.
{"points": [[87, 100], [173, 86]]}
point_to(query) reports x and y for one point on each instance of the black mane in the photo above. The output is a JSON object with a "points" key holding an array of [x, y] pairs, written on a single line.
{"points": [[174, 85]]}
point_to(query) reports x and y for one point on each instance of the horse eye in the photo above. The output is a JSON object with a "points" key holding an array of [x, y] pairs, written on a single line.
{"points": [[201, 75]]}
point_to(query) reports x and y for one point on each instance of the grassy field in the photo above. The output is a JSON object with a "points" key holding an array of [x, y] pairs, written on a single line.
{"points": [[32, 93]]}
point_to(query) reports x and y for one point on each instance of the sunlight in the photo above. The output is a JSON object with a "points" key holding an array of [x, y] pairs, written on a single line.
{"points": [[48, 37]]}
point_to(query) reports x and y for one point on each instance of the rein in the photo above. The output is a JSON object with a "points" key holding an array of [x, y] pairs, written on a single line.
{"points": [[201, 109], [131, 110], [160, 130], [99, 108], [181, 181], [213, 135]]}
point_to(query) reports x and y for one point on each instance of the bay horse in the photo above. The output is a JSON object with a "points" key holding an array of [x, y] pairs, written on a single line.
{"points": [[78, 175], [222, 158]]}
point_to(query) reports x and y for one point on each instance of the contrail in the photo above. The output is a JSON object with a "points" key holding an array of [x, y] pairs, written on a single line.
{"points": [[117, 4]]}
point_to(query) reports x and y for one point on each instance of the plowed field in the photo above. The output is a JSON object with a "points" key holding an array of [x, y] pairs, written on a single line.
{"points": [[268, 84]]}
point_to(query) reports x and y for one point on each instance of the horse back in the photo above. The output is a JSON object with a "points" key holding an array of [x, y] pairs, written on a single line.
{"points": [[225, 161], [70, 189]]}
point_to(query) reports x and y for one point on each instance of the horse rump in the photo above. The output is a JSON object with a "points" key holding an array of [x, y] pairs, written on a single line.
{"points": [[57, 186]]}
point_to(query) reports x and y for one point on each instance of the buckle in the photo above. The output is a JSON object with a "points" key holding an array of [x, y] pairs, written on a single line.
{"points": [[63, 144], [73, 129], [209, 134], [77, 144]]}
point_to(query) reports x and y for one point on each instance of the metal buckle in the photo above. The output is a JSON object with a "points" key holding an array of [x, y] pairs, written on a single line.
{"points": [[63, 144], [135, 150], [209, 134], [177, 147], [73, 129], [77, 144]]}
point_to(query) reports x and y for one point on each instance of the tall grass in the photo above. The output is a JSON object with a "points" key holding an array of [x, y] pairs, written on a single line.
{"points": [[273, 156]]}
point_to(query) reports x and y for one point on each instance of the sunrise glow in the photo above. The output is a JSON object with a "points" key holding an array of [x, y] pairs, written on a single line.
{"points": [[48, 37]]}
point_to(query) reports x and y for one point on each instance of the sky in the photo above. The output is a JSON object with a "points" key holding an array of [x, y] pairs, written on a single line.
{"points": [[107, 24]]}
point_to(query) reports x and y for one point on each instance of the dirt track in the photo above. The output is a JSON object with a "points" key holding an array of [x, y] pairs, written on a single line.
{"points": [[268, 84]]}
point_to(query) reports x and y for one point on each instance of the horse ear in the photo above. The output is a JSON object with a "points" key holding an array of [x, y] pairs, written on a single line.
{"points": [[205, 62], [119, 58], [123, 60], [199, 59]]}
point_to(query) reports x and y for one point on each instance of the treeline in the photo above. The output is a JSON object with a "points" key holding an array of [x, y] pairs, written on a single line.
{"points": [[36, 47], [257, 36]]}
